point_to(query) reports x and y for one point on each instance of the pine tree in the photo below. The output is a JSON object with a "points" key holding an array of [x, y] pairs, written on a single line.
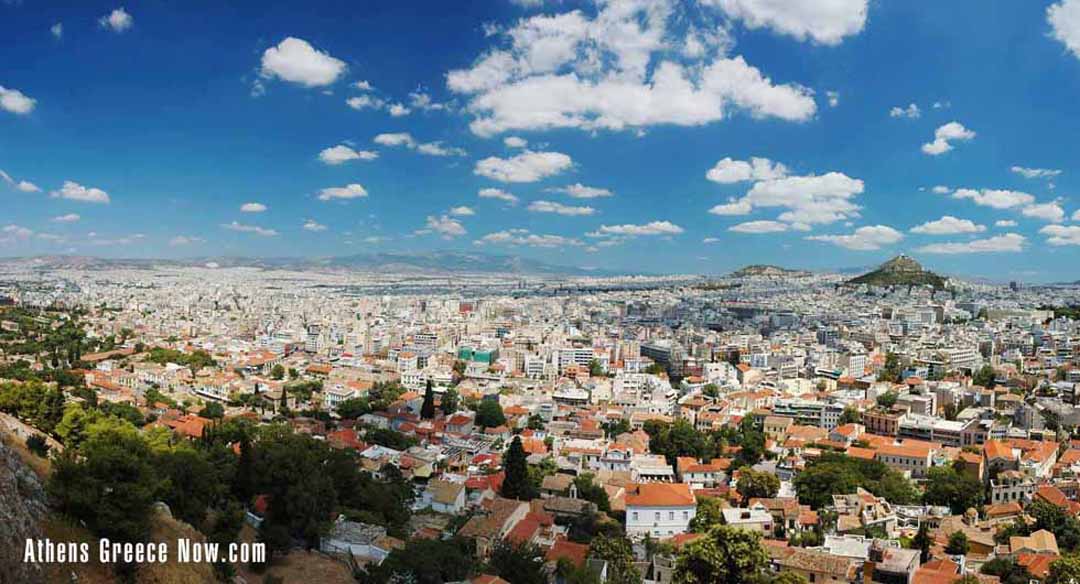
{"points": [[922, 542], [516, 485], [427, 410]]}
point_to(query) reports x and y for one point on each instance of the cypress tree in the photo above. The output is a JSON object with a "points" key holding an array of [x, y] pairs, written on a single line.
{"points": [[427, 410], [516, 485]]}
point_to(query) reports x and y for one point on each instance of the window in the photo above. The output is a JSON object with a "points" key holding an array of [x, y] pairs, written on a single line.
{"points": [[635, 515], [657, 518], [686, 515], [671, 515]]}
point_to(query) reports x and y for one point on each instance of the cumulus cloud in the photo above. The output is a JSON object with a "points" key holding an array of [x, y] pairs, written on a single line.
{"points": [[910, 112], [1064, 19], [559, 208], [117, 21], [1009, 242], [524, 237], [242, 228], [826, 23], [361, 102], [296, 61], [580, 191], [350, 191], [74, 191], [948, 225], [462, 211], [420, 100], [616, 70], [313, 225], [15, 101], [1059, 235], [732, 207], [728, 171], [995, 198], [429, 148], [944, 137], [253, 208], [499, 194], [941, 190], [445, 226], [515, 142], [1027, 172], [759, 227], [1051, 212], [833, 97], [341, 154], [19, 185], [11, 233], [868, 238], [651, 228], [1005, 223], [398, 109], [810, 199], [68, 218], [526, 167]]}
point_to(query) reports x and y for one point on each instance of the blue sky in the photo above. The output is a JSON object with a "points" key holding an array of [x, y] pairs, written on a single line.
{"points": [[612, 134]]}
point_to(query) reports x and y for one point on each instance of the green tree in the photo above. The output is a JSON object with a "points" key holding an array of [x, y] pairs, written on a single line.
{"points": [[516, 485], [839, 474], [710, 390], [922, 542], [212, 411], [518, 563], [489, 414], [427, 409], [616, 551], [891, 372], [709, 513], [1065, 527], [754, 484], [449, 402], [427, 561], [1064, 570], [958, 544], [850, 415], [590, 491], [726, 554], [958, 491], [1007, 570], [789, 578], [353, 408], [887, 399], [984, 377], [277, 371]]}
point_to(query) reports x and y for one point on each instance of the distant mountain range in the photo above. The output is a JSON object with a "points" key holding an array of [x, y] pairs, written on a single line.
{"points": [[900, 271], [441, 262]]}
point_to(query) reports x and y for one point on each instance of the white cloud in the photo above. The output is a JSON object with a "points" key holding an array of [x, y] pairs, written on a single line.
{"points": [[296, 61], [21, 185], [68, 218], [1035, 172], [422, 101], [615, 71], [524, 237], [1009, 242], [580, 191], [117, 21], [253, 208], [910, 112], [365, 102], [76, 192], [515, 142], [362, 86], [824, 22], [941, 190], [350, 191], [429, 148], [833, 97], [313, 225], [1059, 235], [1005, 223], [446, 226], [462, 211], [499, 194], [57, 30], [809, 200], [995, 198], [651, 228], [559, 208], [12, 233], [1064, 19], [526, 167], [728, 171], [945, 135], [711, 240], [948, 225], [438, 149], [397, 110], [182, 240], [15, 101], [868, 238], [341, 153], [262, 231], [1051, 212], [1076, 215], [759, 227], [732, 207], [395, 139]]}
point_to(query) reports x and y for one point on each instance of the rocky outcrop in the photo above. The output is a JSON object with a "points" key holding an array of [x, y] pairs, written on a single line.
{"points": [[22, 510]]}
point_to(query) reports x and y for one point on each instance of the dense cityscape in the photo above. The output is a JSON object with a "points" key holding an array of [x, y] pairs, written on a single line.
{"points": [[771, 425]]}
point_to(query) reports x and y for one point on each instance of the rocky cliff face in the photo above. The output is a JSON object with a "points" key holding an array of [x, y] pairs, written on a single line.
{"points": [[22, 510]]}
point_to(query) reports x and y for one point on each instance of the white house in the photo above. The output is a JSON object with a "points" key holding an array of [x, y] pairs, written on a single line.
{"points": [[659, 510]]}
